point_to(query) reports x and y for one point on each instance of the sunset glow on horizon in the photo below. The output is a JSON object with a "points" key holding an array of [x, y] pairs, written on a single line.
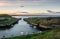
{"points": [[28, 6]]}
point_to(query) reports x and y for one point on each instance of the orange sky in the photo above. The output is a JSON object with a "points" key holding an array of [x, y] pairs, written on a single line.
{"points": [[21, 12], [29, 6]]}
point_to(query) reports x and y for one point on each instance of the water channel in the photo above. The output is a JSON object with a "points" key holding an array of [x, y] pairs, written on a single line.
{"points": [[21, 28]]}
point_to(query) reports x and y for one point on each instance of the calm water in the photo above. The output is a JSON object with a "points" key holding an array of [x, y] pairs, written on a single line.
{"points": [[22, 28]]}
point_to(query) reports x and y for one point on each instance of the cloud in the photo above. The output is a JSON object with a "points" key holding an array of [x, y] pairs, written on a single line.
{"points": [[21, 12], [57, 12], [26, 2], [52, 11], [18, 2], [24, 12]]}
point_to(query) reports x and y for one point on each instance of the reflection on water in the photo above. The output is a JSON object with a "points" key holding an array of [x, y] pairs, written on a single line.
{"points": [[22, 28], [4, 28]]}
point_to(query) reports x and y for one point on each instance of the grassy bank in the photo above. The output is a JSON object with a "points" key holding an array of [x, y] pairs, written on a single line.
{"points": [[52, 34], [49, 34], [45, 22], [7, 19]]}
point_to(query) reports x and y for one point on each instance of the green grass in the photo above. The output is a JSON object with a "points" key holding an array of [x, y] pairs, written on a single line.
{"points": [[49, 34], [4, 15], [32, 20], [52, 34], [9, 19]]}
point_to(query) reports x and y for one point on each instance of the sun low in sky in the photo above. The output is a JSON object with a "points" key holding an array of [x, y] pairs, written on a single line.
{"points": [[28, 6]]}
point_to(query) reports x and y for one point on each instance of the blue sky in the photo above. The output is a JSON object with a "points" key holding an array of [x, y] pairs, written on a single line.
{"points": [[30, 6]]}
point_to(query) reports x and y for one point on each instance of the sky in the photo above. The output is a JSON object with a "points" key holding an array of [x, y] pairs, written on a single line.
{"points": [[28, 6]]}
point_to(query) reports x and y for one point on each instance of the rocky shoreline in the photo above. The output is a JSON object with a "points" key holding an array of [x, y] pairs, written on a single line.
{"points": [[8, 21], [39, 26], [9, 25]]}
